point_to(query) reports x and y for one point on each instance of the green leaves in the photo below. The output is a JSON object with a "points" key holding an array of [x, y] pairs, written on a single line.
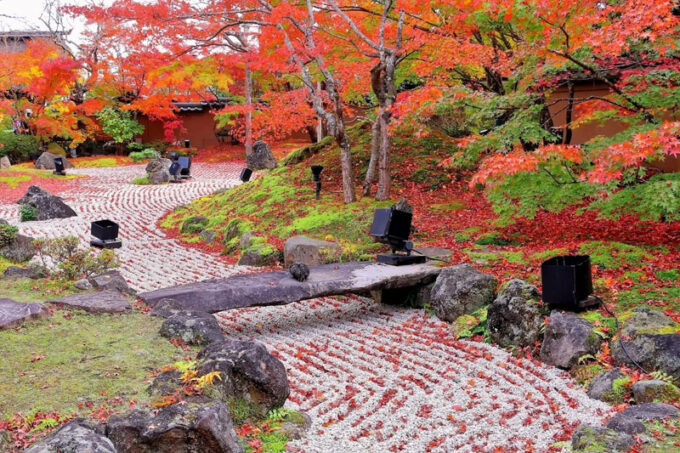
{"points": [[119, 124]]}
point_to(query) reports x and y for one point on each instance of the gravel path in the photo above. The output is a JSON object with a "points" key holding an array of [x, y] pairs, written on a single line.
{"points": [[376, 378], [149, 259]]}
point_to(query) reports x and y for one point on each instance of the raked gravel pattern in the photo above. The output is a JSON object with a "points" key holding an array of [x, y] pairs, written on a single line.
{"points": [[149, 259], [376, 378]]}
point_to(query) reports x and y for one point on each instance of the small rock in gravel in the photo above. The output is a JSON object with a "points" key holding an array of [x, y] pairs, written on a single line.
{"points": [[594, 438], [602, 386], [568, 337], [299, 271]]}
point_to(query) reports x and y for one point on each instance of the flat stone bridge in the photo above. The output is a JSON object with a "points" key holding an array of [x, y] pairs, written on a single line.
{"points": [[278, 287]]}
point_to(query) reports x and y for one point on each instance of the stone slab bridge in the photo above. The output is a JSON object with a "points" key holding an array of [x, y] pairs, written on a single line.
{"points": [[278, 287]]}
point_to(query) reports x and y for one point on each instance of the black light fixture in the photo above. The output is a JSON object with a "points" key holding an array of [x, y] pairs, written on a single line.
{"points": [[246, 173], [316, 173], [105, 234], [172, 155], [174, 171], [185, 164], [393, 227], [567, 282], [59, 166], [187, 144]]}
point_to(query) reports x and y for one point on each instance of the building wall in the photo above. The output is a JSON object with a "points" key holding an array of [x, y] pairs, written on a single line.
{"points": [[587, 132], [198, 127]]}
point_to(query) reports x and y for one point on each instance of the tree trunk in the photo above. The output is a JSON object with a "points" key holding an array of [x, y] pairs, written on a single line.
{"points": [[375, 155], [249, 113], [346, 164], [384, 180], [319, 122], [567, 132]]}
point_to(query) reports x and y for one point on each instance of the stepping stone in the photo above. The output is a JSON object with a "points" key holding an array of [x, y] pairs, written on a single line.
{"points": [[96, 302], [13, 313], [278, 287]]}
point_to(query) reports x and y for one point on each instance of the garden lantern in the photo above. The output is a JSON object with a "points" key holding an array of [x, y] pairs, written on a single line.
{"points": [[187, 144], [567, 282], [246, 173], [59, 166], [316, 173], [105, 234], [393, 227]]}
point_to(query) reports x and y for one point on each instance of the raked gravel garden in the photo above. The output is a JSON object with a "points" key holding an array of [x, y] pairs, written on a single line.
{"points": [[372, 377]]}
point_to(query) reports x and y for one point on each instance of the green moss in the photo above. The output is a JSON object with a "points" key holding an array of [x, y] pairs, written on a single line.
{"points": [[613, 254], [75, 357], [492, 239], [455, 205], [28, 290], [243, 411], [298, 155], [670, 274], [585, 373], [144, 180], [516, 257]]}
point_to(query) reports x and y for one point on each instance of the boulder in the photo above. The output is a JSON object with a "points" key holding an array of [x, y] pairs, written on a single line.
{"points": [[301, 249], [167, 382], [414, 296], [602, 386], [46, 161], [299, 271], [47, 206], [655, 390], [5, 163], [83, 284], [31, 271], [461, 290], [296, 425], [195, 425], [568, 337], [651, 340], [248, 371], [111, 281], [515, 317], [588, 438], [13, 313], [259, 255], [626, 421], [192, 327], [208, 236], [261, 158], [194, 225], [157, 170], [20, 249], [76, 436], [109, 301], [165, 308]]}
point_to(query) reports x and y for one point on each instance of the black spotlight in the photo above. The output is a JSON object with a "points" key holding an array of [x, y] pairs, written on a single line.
{"points": [[187, 144], [393, 227], [174, 171], [185, 164], [105, 233], [567, 282], [59, 166], [246, 173], [316, 173]]}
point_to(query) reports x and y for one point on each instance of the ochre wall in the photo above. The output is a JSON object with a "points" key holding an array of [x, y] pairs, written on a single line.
{"points": [[586, 132]]}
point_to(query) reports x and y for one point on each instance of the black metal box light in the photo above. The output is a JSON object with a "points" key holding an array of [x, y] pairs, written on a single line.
{"points": [[393, 227], [59, 166], [567, 281], [246, 173], [104, 230]]}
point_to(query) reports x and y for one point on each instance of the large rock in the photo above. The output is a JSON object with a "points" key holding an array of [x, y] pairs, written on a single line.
{"points": [[20, 249], [651, 340], [301, 249], [32, 271], [109, 301], [629, 421], [76, 436], [279, 287], [46, 161], [259, 255], [248, 371], [13, 313], [111, 281], [602, 386], [261, 158], [157, 170], [166, 308], [5, 163], [655, 390], [515, 317], [461, 290], [47, 206], [568, 337], [192, 327], [193, 426], [593, 439]]}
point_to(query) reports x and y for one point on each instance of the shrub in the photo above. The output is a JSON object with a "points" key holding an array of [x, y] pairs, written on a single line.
{"points": [[65, 259], [7, 234], [27, 212], [18, 147], [142, 180], [148, 153]]}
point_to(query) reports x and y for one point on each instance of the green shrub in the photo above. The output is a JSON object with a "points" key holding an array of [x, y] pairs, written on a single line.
{"points": [[27, 212], [145, 154], [7, 234], [143, 180], [63, 258], [18, 147]]}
